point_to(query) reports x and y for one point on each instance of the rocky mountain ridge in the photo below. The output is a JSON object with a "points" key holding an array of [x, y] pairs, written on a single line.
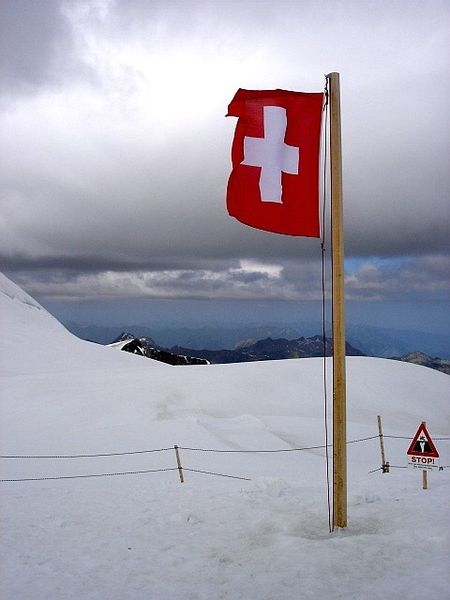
{"points": [[266, 349], [146, 346], [256, 350], [420, 358], [271, 349]]}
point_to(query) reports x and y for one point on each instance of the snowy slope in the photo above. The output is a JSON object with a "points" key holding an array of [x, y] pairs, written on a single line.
{"points": [[148, 536]]}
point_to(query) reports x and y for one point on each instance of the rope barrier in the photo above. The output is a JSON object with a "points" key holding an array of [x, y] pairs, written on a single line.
{"points": [[68, 456], [91, 475], [405, 467], [250, 451], [402, 437], [146, 471], [192, 449], [217, 474], [71, 456], [375, 470], [186, 448], [372, 437]]}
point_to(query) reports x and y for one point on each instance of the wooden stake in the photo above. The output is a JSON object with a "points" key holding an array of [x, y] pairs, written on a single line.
{"points": [[338, 310], [384, 464], [180, 468]]}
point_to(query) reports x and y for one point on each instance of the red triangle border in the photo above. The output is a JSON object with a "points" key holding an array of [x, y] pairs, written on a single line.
{"points": [[423, 430]]}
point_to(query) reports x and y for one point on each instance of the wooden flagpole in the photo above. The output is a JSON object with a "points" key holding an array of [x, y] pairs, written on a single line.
{"points": [[338, 310]]}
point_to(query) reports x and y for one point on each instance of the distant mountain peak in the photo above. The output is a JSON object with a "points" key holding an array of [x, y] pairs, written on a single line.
{"points": [[420, 358], [270, 349], [145, 346], [125, 335]]}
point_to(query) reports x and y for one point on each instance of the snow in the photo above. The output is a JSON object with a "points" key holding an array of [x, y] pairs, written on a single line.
{"points": [[146, 536]]}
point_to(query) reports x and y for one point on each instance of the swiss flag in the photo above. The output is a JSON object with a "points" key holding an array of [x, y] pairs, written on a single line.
{"points": [[274, 184]]}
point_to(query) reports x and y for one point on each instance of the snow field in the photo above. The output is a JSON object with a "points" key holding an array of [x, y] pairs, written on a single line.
{"points": [[148, 536]]}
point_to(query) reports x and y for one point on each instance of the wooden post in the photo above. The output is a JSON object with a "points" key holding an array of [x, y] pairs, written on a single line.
{"points": [[338, 310], [180, 468], [384, 464], [424, 473]]}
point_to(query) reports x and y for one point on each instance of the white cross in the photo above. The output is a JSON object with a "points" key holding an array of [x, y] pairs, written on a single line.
{"points": [[272, 154]]}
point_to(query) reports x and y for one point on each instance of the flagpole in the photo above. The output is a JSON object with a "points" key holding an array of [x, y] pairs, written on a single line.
{"points": [[338, 310]]}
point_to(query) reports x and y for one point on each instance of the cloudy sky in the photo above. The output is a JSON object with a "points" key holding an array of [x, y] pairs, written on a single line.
{"points": [[115, 151]]}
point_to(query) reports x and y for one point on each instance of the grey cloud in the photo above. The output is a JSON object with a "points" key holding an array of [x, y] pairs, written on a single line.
{"points": [[37, 48], [421, 279], [113, 164], [30, 33]]}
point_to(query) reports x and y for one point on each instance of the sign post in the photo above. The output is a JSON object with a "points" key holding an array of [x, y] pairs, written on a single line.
{"points": [[422, 453]]}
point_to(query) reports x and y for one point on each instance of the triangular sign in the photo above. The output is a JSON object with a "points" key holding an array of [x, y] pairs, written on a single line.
{"points": [[422, 444]]}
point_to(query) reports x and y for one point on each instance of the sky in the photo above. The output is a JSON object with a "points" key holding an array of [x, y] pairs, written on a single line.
{"points": [[115, 155]]}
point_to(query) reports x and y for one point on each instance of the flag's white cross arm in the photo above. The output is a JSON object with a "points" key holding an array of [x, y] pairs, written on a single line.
{"points": [[272, 154]]}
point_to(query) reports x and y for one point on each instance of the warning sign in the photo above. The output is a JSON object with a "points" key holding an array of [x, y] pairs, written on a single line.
{"points": [[422, 452]]}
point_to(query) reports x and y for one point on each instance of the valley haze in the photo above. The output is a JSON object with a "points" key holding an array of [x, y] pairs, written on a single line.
{"points": [[373, 341]]}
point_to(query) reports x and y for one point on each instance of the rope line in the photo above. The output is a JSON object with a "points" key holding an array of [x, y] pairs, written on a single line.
{"points": [[100, 455], [405, 467], [73, 456], [333, 308], [403, 437], [90, 475], [146, 471], [372, 437], [192, 449], [218, 474], [323, 304], [250, 451]]}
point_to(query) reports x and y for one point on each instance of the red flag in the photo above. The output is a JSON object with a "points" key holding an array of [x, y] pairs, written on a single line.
{"points": [[274, 184]]}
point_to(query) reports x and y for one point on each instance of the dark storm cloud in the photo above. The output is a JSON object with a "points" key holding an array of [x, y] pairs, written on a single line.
{"points": [[37, 48], [115, 150], [412, 279], [31, 34]]}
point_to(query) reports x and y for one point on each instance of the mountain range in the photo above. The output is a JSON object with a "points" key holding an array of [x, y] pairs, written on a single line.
{"points": [[270, 349], [372, 341], [250, 350]]}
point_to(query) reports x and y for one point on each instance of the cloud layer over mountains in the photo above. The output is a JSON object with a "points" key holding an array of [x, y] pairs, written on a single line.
{"points": [[115, 149]]}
